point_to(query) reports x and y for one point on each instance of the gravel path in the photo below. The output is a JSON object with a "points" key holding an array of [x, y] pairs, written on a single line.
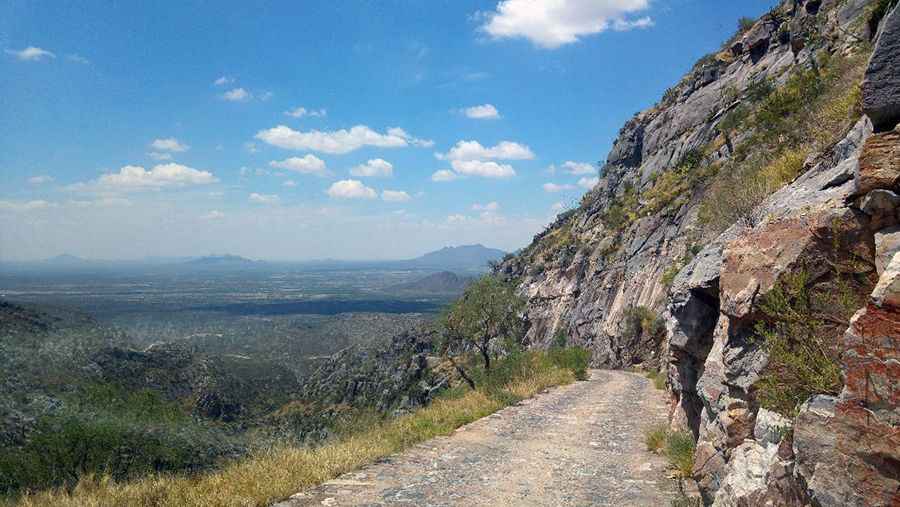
{"points": [[575, 445]]}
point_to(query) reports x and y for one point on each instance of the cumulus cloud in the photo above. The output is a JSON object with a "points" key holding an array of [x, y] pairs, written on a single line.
{"points": [[213, 215], [264, 198], [338, 141], [482, 168], [133, 177], [588, 183], [300, 112], [444, 175], [555, 187], [237, 95], [351, 189], [482, 112], [307, 164], [30, 54], [491, 206], [473, 150], [224, 80], [40, 179], [578, 168], [373, 168], [550, 24], [169, 144], [395, 196]]}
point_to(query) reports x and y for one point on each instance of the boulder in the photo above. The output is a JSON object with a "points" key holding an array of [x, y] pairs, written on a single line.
{"points": [[887, 243], [882, 206], [745, 484], [878, 163], [881, 87]]}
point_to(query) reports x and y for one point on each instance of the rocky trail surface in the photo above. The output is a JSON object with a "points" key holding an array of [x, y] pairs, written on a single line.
{"points": [[580, 444]]}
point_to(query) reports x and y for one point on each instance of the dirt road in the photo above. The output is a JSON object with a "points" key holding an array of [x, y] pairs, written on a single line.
{"points": [[576, 445]]}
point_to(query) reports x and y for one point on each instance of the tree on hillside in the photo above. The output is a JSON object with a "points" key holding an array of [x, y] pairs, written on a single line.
{"points": [[489, 311]]}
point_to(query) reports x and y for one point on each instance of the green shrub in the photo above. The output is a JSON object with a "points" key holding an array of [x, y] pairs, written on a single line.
{"points": [[576, 359], [655, 437], [801, 332], [658, 378], [108, 430], [744, 24], [680, 452], [642, 321]]}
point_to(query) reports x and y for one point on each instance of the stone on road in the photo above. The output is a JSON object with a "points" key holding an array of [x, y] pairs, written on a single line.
{"points": [[575, 445]]}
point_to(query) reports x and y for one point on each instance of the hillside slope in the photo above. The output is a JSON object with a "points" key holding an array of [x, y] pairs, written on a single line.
{"points": [[754, 212]]}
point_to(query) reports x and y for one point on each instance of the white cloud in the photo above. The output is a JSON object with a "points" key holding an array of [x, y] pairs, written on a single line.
{"points": [[483, 169], [554, 187], [550, 24], [237, 95], [213, 215], [588, 183], [473, 150], [289, 183], [457, 219], [169, 144], [155, 155], [395, 196], [300, 112], [482, 112], [444, 175], [266, 95], [491, 206], [26, 205], [264, 198], [40, 180], [351, 189], [224, 80], [307, 164], [30, 54], [578, 168], [373, 168], [78, 59], [133, 177], [338, 141], [103, 202]]}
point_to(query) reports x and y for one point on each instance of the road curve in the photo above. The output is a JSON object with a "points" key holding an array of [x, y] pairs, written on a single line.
{"points": [[575, 445]]}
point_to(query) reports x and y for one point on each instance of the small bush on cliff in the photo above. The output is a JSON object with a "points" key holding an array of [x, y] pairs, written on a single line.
{"points": [[642, 321], [804, 319]]}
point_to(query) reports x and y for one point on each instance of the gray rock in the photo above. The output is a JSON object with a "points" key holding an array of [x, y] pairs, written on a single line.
{"points": [[745, 482], [887, 244], [770, 427], [883, 206], [881, 87]]}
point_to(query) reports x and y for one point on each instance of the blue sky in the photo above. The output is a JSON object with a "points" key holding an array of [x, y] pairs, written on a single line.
{"points": [[132, 129]]}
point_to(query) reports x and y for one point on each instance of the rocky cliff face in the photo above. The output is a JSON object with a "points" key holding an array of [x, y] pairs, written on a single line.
{"points": [[643, 237]]}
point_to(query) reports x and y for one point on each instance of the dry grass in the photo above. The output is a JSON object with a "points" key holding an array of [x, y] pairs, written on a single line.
{"points": [[278, 473]]}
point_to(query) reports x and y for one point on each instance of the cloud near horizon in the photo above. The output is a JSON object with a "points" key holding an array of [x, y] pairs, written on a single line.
{"points": [[136, 178], [308, 164]]}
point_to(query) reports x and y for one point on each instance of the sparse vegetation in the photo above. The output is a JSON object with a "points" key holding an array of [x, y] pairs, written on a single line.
{"points": [[273, 474], [655, 438], [811, 110], [801, 330], [483, 317], [680, 452], [658, 378], [642, 321], [676, 446]]}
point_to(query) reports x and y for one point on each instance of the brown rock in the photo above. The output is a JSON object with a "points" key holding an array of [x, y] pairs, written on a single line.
{"points": [[879, 163]]}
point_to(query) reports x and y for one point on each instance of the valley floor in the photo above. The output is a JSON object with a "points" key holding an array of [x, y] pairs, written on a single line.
{"points": [[580, 444]]}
